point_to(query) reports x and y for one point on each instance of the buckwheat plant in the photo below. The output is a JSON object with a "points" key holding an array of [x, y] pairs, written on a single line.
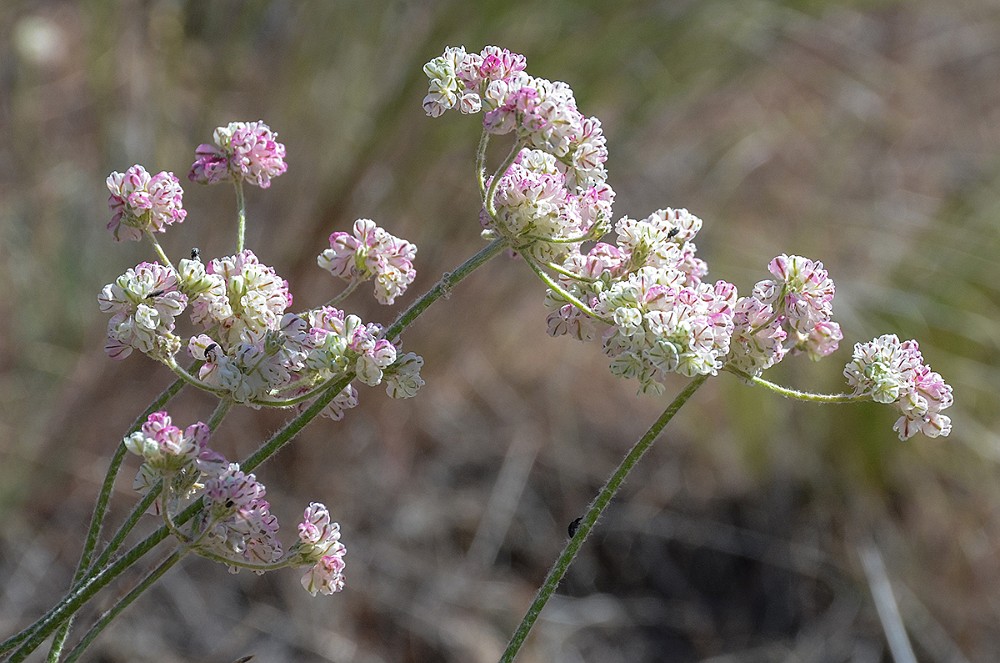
{"points": [[226, 326]]}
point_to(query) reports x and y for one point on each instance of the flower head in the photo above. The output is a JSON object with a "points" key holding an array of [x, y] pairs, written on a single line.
{"points": [[141, 202], [243, 151], [890, 371], [790, 313], [371, 252], [143, 303], [238, 518], [253, 301]]}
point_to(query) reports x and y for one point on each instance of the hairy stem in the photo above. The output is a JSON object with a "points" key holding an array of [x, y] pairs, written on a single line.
{"points": [[787, 392], [590, 518]]}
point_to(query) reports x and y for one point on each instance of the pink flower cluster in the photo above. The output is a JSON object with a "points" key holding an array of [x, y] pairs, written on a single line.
{"points": [[236, 524], [319, 540], [237, 519], [141, 202], [253, 350], [648, 304], [539, 209], [243, 151], [543, 113], [789, 313], [369, 252], [890, 371]]}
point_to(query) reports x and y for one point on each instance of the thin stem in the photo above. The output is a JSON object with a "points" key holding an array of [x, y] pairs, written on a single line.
{"points": [[241, 215], [99, 575], [569, 274], [182, 373], [797, 395], [159, 249], [342, 295], [491, 193], [562, 292], [594, 512], [221, 410], [295, 400], [484, 140], [101, 507], [123, 603]]}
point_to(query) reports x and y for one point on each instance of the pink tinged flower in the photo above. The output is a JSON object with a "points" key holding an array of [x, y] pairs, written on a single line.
{"points": [[327, 575], [143, 303], [890, 371], [211, 165], [255, 298], [243, 151], [140, 202], [823, 340], [369, 252], [238, 518]]}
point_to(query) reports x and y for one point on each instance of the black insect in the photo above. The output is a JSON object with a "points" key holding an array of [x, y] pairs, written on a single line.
{"points": [[673, 232], [195, 254], [210, 351], [573, 526]]}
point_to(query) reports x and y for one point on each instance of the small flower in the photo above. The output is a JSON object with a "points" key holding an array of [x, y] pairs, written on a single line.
{"points": [[890, 371], [254, 300], [141, 202], [663, 325], [403, 379], [327, 575], [371, 252], [164, 446], [143, 303], [243, 151], [787, 314], [238, 518]]}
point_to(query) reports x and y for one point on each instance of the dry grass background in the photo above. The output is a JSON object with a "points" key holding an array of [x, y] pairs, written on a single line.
{"points": [[864, 134]]}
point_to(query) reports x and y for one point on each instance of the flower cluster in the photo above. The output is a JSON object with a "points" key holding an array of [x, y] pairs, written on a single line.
{"points": [[140, 202], [371, 252], [236, 525], [789, 313], [243, 151], [143, 303], [890, 371], [319, 542], [646, 301], [251, 348], [542, 211]]}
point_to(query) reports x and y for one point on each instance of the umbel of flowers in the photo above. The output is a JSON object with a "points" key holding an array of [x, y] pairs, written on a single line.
{"points": [[249, 348], [636, 287], [644, 297]]}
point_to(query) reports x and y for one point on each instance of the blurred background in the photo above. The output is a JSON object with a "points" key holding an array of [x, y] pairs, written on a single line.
{"points": [[865, 134]]}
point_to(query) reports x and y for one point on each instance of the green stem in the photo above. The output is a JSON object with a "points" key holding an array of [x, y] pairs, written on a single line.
{"points": [[559, 269], [342, 295], [787, 392], [484, 141], [182, 373], [491, 193], [159, 249], [99, 575], [562, 292], [101, 507], [594, 512], [123, 603], [241, 215]]}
